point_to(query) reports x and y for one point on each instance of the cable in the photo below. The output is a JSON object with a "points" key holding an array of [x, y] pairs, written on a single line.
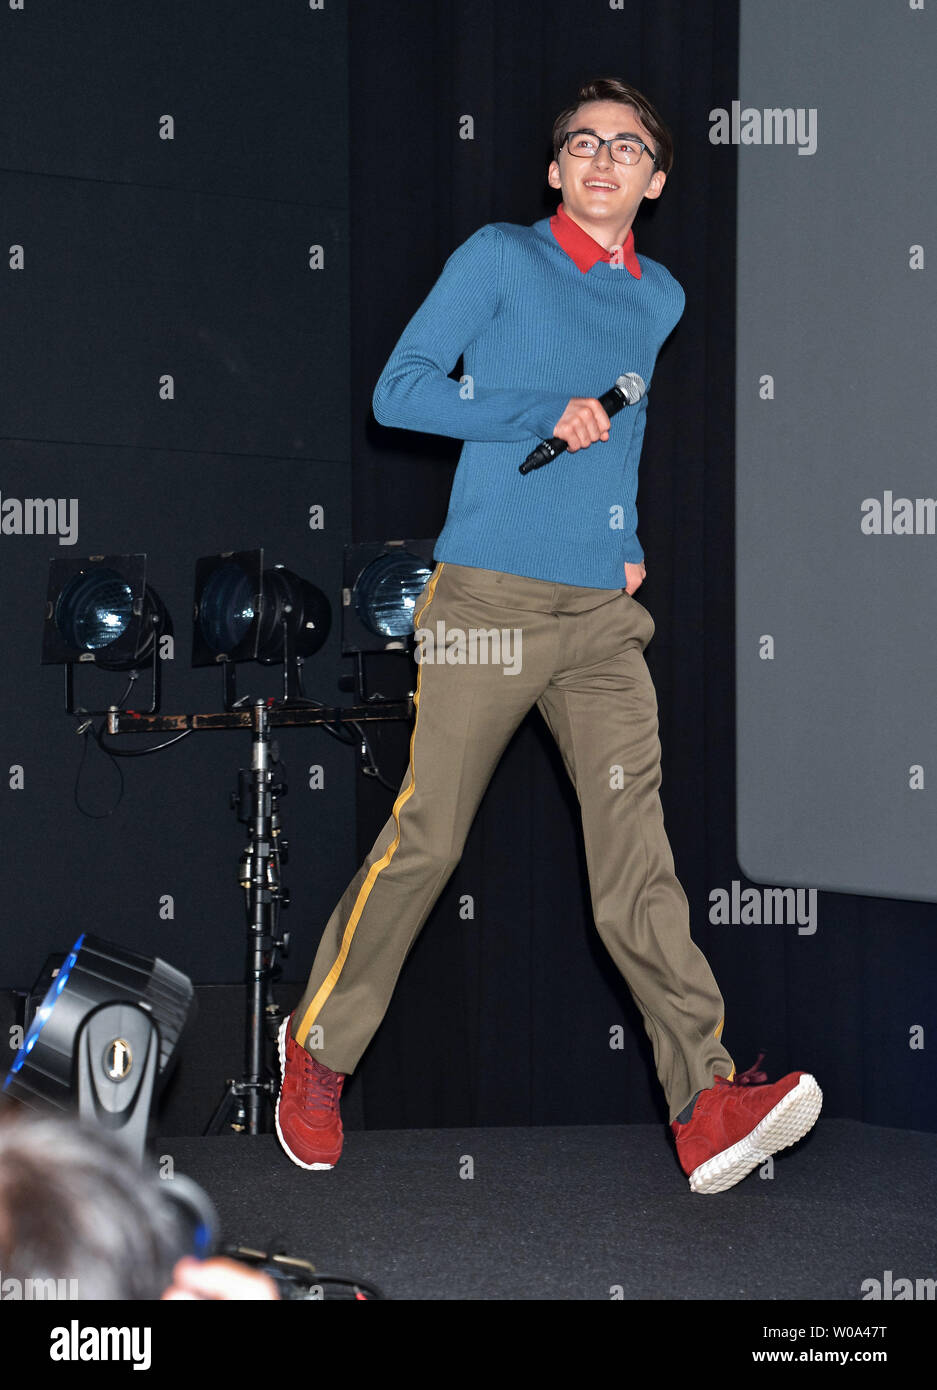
{"points": [[113, 752], [372, 769], [334, 729], [83, 731]]}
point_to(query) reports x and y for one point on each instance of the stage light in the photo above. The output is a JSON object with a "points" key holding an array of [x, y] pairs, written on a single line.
{"points": [[101, 611], [246, 613], [381, 585], [106, 1031], [94, 610], [228, 599], [243, 612], [293, 610]]}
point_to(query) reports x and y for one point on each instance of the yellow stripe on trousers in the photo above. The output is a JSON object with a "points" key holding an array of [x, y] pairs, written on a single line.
{"points": [[328, 984], [718, 1036]]}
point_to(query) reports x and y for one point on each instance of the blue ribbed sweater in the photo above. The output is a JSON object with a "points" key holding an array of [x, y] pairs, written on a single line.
{"points": [[534, 331]]}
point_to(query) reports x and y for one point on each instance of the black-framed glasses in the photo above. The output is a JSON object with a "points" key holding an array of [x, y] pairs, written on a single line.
{"points": [[624, 149]]}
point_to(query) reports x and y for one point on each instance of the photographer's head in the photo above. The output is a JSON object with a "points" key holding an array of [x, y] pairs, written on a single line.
{"points": [[74, 1208]]}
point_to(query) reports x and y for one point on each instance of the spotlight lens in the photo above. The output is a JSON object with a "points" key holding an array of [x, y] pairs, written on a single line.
{"points": [[387, 591], [94, 609], [227, 608], [45, 1008]]}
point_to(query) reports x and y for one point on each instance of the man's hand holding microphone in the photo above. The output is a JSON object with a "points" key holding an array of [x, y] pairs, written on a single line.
{"points": [[582, 423], [586, 421]]}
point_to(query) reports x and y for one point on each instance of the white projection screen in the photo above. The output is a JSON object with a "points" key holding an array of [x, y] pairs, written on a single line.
{"points": [[836, 444]]}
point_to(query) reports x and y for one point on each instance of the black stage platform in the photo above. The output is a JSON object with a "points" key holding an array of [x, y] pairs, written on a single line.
{"points": [[584, 1213]]}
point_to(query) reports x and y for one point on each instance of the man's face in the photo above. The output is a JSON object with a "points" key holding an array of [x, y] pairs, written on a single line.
{"points": [[601, 193]]}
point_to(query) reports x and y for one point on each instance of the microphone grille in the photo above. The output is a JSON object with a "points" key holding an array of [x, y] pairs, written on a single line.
{"points": [[631, 386]]}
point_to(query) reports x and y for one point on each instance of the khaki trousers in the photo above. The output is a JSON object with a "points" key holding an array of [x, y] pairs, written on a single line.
{"points": [[493, 645]]}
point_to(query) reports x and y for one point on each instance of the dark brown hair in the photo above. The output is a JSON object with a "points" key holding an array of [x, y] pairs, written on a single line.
{"points": [[76, 1209], [610, 89]]}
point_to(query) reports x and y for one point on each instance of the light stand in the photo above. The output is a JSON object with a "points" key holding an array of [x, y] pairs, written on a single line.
{"points": [[256, 804]]}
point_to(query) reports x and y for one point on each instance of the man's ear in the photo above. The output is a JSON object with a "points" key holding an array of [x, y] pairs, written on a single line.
{"points": [[656, 186], [553, 175]]}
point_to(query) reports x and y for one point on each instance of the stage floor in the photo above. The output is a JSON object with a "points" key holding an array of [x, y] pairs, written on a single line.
{"points": [[594, 1212]]}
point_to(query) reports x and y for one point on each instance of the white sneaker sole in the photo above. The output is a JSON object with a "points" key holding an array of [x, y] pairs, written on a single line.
{"points": [[789, 1121], [281, 1044]]}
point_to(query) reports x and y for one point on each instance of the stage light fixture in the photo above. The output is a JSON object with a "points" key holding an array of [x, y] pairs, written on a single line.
{"points": [[243, 612], [228, 599], [105, 1034], [293, 611], [381, 585], [100, 611]]}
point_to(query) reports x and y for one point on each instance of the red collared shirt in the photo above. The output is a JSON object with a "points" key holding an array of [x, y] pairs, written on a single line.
{"points": [[585, 250]]}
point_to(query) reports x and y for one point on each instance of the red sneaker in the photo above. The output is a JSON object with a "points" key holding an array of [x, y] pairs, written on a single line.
{"points": [[308, 1119], [735, 1125]]}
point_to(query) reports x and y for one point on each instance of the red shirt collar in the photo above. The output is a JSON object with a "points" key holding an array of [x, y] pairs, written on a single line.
{"points": [[585, 250]]}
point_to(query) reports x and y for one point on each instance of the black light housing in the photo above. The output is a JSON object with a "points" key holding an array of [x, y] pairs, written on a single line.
{"points": [[103, 1038], [243, 612], [246, 613], [293, 611]]}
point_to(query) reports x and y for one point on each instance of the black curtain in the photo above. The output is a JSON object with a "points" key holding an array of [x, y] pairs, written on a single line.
{"points": [[506, 1016]]}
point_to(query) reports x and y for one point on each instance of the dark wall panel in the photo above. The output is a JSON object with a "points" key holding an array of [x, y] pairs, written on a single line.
{"points": [[125, 287], [143, 257], [257, 93]]}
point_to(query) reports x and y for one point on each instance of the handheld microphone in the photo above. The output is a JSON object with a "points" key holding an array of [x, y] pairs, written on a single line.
{"points": [[628, 390]]}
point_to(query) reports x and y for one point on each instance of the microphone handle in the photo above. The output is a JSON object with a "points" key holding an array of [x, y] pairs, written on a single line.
{"points": [[546, 452]]}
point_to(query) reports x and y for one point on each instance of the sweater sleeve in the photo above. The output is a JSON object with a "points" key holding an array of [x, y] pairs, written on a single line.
{"points": [[633, 551], [415, 391]]}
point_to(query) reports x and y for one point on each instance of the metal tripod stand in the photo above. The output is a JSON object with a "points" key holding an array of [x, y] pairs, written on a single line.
{"points": [[257, 808], [256, 803]]}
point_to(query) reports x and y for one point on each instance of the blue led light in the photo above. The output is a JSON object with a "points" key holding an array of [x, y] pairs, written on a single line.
{"points": [[45, 1008]]}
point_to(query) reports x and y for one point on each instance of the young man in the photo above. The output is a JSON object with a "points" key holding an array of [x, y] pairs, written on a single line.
{"points": [[546, 318]]}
